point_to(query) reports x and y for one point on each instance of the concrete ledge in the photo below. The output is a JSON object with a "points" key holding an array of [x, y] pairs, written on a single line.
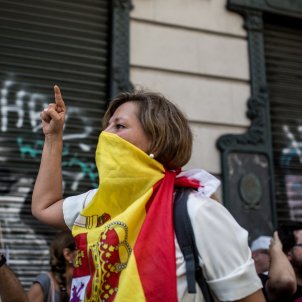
{"points": [[210, 15], [188, 51], [208, 100]]}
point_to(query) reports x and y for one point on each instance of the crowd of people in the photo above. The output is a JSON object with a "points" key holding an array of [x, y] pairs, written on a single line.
{"points": [[123, 232]]}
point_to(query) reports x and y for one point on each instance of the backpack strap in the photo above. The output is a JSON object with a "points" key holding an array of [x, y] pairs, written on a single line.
{"points": [[186, 240]]}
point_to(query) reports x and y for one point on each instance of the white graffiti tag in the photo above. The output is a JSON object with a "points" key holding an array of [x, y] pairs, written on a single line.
{"points": [[294, 146], [21, 108]]}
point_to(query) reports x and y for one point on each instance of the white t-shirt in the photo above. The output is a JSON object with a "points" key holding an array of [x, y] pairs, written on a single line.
{"points": [[222, 244]]}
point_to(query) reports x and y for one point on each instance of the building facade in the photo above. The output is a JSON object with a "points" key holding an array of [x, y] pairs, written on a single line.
{"points": [[234, 68]]}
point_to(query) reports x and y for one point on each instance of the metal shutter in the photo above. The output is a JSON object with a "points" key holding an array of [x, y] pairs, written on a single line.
{"points": [[283, 55], [42, 43]]}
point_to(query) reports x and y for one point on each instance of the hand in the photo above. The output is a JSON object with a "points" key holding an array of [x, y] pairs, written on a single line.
{"points": [[276, 243], [54, 115]]}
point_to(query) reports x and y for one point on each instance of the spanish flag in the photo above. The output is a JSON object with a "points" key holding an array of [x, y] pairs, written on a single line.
{"points": [[125, 236]]}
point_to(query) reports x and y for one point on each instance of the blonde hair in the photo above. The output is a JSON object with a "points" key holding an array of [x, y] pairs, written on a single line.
{"points": [[164, 124]]}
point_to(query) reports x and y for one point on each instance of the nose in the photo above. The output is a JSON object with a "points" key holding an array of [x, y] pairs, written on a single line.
{"points": [[109, 129]]}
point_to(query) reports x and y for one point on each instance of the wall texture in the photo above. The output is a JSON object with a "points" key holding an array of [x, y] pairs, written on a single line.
{"points": [[194, 52]]}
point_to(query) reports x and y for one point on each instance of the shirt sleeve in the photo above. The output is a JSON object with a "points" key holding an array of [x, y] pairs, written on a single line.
{"points": [[223, 247], [73, 205]]}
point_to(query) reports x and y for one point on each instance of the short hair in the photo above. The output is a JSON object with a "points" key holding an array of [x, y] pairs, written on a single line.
{"points": [[164, 124], [287, 235]]}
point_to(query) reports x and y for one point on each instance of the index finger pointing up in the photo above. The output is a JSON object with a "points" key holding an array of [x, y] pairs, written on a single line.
{"points": [[60, 105]]}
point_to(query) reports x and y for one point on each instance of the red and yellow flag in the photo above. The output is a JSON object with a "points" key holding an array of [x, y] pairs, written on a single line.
{"points": [[125, 236]]}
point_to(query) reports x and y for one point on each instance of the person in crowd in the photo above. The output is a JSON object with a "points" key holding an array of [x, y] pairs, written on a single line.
{"points": [[124, 229], [11, 289], [56, 285], [279, 282], [287, 284], [260, 253]]}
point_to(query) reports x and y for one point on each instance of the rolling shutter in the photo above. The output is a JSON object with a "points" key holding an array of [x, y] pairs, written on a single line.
{"points": [[283, 49], [42, 43]]}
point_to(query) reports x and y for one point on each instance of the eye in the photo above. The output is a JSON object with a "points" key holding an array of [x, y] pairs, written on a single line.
{"points": [[120, 126]]}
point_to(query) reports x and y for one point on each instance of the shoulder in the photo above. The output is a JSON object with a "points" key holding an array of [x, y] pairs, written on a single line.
{"points": [[43, 279], [211, 219], [73, 205], [81, 198], [202, 206]]}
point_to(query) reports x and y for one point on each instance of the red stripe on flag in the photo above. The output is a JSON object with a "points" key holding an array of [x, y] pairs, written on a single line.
{"points": [[155, 249]]}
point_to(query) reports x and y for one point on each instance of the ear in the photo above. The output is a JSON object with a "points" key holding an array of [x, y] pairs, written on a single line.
{"points": [[289, 255], [68, 255], [255, 255]]}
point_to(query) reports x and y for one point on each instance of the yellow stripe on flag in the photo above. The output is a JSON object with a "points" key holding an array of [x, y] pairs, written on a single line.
{"points": [[130, 287], [113, 220]]}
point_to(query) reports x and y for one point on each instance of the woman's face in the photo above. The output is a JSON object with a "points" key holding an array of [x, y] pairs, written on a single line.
{"points": [[125, 123]]}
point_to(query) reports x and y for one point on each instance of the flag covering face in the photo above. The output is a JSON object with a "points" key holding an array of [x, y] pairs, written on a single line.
{"points": [[125, 235]]}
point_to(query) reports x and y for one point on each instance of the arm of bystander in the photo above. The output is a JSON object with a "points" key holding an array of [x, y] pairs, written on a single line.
{"points": [[10, 287], [282, 280]]}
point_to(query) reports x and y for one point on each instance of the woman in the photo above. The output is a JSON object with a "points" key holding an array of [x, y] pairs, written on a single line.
{"points": [[54, 286], [124, 229]]}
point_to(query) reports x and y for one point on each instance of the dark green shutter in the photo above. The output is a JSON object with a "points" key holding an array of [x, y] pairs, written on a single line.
{"points": [[283, 55], [42, 43]]}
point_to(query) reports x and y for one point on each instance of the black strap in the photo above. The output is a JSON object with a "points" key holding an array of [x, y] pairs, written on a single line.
{"points": [[186, 240]]}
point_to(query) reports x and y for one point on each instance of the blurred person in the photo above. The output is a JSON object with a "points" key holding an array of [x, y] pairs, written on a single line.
{"points": [[11, 289], [55, 285], [124, 229], [280, 283], [290, 235], [260, 253]]}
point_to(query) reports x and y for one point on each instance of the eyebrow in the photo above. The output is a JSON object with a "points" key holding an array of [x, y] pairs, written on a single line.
{"points": [[118, 119]]}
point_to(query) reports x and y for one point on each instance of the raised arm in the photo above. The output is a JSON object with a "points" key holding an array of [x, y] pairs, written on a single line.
{"points": [[47, 202], [282, 280]]}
